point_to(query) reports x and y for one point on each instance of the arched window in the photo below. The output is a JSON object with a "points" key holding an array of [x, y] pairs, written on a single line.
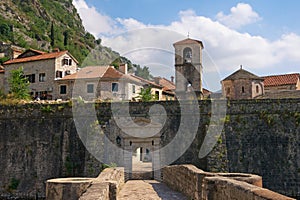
{"points": [[257, 89], [243, 89], [187, 55]]}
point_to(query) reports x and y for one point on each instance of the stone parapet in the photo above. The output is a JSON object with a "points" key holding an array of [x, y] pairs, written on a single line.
{"points": [[66, 188], [201, 185], [224, 188], [106, 186]]}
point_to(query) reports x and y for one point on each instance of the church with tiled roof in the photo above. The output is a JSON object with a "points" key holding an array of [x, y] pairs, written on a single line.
{"points": [[243, 84]]}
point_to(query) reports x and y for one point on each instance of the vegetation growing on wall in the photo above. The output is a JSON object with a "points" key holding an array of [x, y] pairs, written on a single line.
{"points": [[19, 85], [146, 95]]}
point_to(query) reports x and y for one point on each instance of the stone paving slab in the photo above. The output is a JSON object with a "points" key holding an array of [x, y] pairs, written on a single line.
{"points": [[148, 190]]}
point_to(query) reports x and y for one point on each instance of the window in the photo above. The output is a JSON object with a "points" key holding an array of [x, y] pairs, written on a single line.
{"points": [[187, 55], [114, 87], [133, 89], [42, 77], [156, 95], [31, 78], [243, 89], [59, 74], [63, 89], [257, 89], [90, 88], [67, 61]]}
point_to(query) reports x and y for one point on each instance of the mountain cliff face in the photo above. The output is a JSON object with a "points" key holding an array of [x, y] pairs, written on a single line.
{"points": [[49, 24]]}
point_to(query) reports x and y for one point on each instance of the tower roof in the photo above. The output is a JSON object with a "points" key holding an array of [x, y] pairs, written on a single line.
{"points": [[189, 41], [242, 74]]}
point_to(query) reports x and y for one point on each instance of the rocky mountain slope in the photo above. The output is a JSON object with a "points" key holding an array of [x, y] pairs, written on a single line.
{"points": [[49, 24]]}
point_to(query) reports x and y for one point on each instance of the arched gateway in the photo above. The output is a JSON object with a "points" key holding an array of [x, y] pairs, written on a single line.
{"points": [[140, 142]]}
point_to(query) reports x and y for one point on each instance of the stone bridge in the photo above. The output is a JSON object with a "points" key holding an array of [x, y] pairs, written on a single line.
{"points": [[179, 182]]}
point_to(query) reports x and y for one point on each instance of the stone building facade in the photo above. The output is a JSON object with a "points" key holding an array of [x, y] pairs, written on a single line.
{"points": [[42, 70], [99, 82], [245, 85], [242, 85], [168, 90], [10, 51], [283, 82]]}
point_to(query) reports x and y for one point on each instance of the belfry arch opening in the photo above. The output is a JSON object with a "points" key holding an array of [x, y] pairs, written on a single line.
{"points": [[187, 55]]}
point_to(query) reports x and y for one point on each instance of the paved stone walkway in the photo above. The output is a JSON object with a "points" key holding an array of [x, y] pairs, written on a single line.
{"points": [[148, 190]]}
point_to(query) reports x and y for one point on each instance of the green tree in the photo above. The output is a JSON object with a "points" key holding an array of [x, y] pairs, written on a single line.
{"points": [[66, 38], [52, 35], [143, 72], [146, 95], [19, 85]]}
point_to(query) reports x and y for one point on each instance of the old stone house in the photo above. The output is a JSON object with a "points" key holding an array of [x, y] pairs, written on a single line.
{"points": [[156, 89], [245, 85], [168, 90], [56, 75], [100, 82], [282, 82], [42, 70], [282, 86], [242, 85], [10, 51]]}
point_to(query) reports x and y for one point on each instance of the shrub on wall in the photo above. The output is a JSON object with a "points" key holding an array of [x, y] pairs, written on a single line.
{"points": [[19, 84]]}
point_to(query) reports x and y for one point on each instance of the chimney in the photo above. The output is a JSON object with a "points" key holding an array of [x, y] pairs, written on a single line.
{"points": [[157, 79], [123, 68], [172, 79], [55, 50]]}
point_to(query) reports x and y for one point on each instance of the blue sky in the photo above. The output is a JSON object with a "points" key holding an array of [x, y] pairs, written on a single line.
{"points": [[261, 35]]}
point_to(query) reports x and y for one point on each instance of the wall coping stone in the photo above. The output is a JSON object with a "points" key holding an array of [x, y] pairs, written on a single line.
{"points": [[198, 184]]}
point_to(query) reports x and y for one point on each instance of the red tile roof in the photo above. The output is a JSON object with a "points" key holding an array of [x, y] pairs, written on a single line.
{"points": [[285, 79], [112, 73], [44, 56], [89, 72], [167, 84], [145, 81], [103, 72]]}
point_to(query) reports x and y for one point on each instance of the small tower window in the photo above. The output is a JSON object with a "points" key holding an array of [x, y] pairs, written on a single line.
{"points": [[187, 55], [243, 89]]}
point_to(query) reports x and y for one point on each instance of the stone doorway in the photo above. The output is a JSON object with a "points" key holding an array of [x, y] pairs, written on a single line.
{"points": [[142, 164], [141, 140], [145, 165]]}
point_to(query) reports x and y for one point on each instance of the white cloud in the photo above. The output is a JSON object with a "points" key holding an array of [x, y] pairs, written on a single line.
{"points": [[240, 15], [93, 21], [288, 47], [225, 49]]}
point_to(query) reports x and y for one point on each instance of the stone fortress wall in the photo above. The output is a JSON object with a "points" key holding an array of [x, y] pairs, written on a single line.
{"points": [[40, 142]]}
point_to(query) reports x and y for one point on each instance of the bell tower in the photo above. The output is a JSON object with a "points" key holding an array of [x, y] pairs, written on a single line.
{"points": [[188, 66]]}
